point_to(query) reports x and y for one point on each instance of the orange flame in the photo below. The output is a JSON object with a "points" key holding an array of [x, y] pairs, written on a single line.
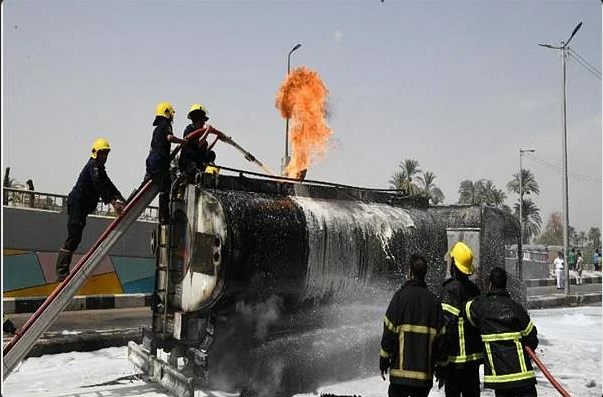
{"points": [[302, 98]]}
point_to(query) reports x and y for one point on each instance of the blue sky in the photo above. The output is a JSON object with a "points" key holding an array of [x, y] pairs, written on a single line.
{"points": [[457, 85]]}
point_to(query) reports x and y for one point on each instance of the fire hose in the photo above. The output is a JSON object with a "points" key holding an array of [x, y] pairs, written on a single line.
{"points": [[546, 372], [227, 139]]}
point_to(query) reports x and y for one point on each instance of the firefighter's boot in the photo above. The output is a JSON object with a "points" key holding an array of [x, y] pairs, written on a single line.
{"points": [[8, 326], [63, 262]]}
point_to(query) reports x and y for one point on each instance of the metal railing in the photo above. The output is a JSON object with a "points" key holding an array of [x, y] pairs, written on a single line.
{"points": [[12, 197]]}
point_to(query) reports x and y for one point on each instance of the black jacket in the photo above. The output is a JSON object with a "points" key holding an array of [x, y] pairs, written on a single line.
{"points": [[160, 146], [505, 327], [413, 325], [92, 184], [192, 153], [463, 342]]}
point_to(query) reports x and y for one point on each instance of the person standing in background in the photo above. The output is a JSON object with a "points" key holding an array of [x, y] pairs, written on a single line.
{"points": [[558, 262]]}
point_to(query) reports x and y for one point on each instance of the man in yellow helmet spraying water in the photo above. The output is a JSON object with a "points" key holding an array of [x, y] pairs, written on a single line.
{"points": [[196, 155], [92, 184]]}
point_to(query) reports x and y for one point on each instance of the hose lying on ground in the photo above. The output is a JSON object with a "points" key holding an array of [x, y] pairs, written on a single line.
{"points": [[546, 373]]}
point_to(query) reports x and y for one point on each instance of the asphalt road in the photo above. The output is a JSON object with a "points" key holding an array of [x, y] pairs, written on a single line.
{"points": [[88, 330], [134, 318], [89, 320]]}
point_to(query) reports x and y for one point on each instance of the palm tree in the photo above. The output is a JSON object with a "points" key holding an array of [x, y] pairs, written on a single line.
{"points": [[582, 237], [491, 194], [528, 183], [573, 236], [528, 186], [481, 192], [428, 188], [531, 219], [405, 179], [468, 192], [594, 236]]}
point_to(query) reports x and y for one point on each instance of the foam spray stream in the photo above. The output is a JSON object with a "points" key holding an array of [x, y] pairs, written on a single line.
{"points": [[248, 156], [302, 98]]}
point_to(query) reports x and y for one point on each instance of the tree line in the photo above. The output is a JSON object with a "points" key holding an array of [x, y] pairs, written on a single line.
{"points": [[414, 181]]}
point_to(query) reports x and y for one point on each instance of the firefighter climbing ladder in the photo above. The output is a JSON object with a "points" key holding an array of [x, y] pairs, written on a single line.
{"points": [[18, 347], [26, 337]]}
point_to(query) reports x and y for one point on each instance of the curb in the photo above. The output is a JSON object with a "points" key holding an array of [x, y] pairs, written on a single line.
{"points": [[545, 282], [548, 301], [80, 302]]}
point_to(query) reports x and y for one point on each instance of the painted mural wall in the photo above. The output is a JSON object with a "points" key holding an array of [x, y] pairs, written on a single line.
{"points": [[31, 239]]}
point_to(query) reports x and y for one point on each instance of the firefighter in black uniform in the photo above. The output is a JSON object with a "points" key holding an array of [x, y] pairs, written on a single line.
{"points": [[463, 343], [410, 345], [195, 156], [158, 160], [92, 184], [505, 328]]}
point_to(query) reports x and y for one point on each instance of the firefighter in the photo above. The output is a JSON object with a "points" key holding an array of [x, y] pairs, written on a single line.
{"points": [[463, 343], [158, 160], [196, 155], [413, 325], [505, 327], [93, 183]]}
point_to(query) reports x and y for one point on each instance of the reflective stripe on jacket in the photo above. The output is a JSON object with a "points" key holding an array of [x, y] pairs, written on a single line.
{"points": [[505, 327], [462, 339], [412, 328]]}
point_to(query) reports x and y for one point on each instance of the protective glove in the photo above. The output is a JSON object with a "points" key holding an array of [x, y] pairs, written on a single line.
{"points": [[118, 206], [384, 364]]}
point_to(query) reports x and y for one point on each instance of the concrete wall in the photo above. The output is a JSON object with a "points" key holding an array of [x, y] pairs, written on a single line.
{"points": [[31, 239]]}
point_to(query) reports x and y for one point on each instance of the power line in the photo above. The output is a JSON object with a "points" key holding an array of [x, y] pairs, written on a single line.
{"points": [[574, 175], [573, 52], [594, 73], [584, 63]]}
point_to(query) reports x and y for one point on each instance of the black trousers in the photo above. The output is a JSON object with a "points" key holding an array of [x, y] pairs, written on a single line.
{"points": [[158, 169], [75, 227], [396, 390], [521, 391], [462, 381]]}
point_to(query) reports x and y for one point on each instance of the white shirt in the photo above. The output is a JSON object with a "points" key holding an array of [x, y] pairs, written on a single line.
{"points": [[558, 263]]}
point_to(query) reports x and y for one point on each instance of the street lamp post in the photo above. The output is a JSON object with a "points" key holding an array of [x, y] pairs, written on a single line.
{"points": [[286, 158], [563, 49], [521, 231]]}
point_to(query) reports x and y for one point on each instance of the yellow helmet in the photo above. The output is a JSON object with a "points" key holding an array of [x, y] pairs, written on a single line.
{"points": [[165, 109], [98, 145], [198, 106], [462, 256], [210, 169]]}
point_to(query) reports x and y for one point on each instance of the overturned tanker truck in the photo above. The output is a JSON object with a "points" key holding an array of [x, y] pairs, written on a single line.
{"points": [[248, 239]]}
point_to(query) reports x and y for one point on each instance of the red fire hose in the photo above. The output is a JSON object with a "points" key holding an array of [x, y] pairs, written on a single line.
{"points": [[546, 373]]}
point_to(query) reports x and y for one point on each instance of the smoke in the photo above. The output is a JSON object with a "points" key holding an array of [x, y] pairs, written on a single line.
{"points": [[261, 315], [267, 380], [302, 98]]}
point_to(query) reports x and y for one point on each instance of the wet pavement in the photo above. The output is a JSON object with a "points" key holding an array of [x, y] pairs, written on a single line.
{"points": [[88, 330]]}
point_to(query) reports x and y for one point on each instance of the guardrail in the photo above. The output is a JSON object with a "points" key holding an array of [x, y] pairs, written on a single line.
{"points": [[58, 202]]}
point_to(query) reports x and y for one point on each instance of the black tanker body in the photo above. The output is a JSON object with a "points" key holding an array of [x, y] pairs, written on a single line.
{"points": [[255, 258]]}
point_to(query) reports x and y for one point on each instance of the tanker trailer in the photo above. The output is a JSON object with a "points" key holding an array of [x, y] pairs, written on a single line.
{"points": [[239, 242]]}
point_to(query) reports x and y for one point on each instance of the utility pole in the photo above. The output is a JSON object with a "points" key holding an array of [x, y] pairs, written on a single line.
{"points": [[521, 231], [286, 158], [563, 49]]}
